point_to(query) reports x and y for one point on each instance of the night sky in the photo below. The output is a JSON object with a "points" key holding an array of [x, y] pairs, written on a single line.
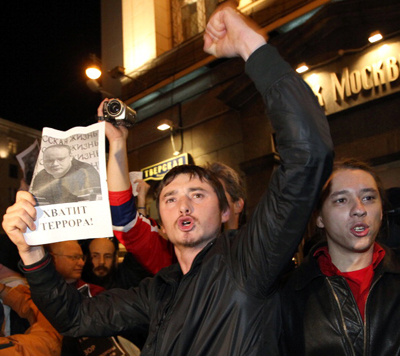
{"points": [[45, 46]]}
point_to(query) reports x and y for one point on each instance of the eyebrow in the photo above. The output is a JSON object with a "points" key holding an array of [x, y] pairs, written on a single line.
{"points": [[344, 191], [192, 189]]}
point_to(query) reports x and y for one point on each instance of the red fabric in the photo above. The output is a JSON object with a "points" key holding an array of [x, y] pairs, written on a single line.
{"points": [[141, 237], [47, 260], [94, 289], [119, 198], [358, 281]]}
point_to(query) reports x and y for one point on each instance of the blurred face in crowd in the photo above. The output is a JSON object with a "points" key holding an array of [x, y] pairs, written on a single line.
{"points": [[57, 161], [352, 212], [103, 257], [235, 208], [68, 259]]}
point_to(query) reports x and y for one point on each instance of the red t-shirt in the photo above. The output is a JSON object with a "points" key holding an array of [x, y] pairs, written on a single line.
{"points": [[358, 281]]}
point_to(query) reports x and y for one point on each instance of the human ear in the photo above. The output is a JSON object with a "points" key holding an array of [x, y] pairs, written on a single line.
{"points": [[238, 206], [319, 222], [225, 215]]}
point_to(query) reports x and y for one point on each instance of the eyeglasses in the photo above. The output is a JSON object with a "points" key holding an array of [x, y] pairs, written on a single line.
{"points": [[74, 258]]}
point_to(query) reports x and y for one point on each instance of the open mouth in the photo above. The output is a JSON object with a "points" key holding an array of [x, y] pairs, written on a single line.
{"points": [[360, 230], [185, 223]]}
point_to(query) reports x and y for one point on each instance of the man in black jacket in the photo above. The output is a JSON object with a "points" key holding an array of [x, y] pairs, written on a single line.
{"points": [[344, 299], [220, 298]]}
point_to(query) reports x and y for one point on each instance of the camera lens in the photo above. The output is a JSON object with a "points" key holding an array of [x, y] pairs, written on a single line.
{"points": [[114, 107]]}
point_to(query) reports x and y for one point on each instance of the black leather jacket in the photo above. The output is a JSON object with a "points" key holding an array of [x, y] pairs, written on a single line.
{"points": [[321, 317], [227, 303]]}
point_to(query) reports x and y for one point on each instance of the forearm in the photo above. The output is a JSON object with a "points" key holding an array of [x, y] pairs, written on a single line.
{"points": [[306, 152], [74, 315], [117, 167]]}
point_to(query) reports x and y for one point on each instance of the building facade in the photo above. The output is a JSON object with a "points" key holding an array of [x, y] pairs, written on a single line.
{"points": [[154, 51]]}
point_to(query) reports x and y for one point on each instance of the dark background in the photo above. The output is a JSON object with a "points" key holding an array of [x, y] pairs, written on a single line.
{"points": [[45, 47]]}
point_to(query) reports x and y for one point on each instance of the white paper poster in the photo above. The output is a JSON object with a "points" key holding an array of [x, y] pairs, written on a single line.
{"points": [[70, 186]]}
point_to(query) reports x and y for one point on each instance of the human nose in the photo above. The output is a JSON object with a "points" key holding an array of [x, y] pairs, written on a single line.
{"points": [[358, 208], [80, 262], [185, 206]]}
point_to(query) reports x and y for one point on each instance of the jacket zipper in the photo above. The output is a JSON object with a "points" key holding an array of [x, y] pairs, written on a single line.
{"points": [[166, 311], [161, 322], [341, 316], [365, 315]]}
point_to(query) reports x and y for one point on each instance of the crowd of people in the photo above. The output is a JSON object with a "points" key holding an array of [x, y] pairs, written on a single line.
{"points": [[208, 280]]}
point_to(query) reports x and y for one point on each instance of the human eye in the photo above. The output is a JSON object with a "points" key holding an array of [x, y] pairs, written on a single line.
{"points": [[169, 200], [340, 200], [370, 198], [198, 195]]}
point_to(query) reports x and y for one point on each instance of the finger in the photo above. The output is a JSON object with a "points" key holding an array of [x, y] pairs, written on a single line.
{"points": [[14, 224], [100, 107], [24, 195]]}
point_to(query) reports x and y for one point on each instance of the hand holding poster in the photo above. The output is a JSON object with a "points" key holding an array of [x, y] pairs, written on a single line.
{"points": [[70, 186]]}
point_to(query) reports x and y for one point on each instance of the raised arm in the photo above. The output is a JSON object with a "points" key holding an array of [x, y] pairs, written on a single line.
{"points": [[138, 234], [303, 141]]}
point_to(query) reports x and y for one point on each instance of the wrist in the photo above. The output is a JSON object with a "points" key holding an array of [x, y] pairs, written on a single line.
{"points": [[251, 44], [117, 143], [33, 255]]}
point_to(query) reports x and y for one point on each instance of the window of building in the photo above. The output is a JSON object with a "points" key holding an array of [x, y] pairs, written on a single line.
{"points": [[12, 147], [189, 18]]}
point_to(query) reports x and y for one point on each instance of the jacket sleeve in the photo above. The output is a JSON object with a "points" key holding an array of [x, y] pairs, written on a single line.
{"points": [[139, 234], [40, 339], [263, 248], [113, 312]]}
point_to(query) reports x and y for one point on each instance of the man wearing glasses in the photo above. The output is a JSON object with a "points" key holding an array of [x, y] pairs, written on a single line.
{"points": [[68, 259]]}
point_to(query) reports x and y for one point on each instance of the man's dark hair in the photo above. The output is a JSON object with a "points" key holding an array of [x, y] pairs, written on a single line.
{"points": [[194, 171], [232, 180]]}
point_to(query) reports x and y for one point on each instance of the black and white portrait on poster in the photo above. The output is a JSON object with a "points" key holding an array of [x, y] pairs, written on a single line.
{"points": [[70, 185]]}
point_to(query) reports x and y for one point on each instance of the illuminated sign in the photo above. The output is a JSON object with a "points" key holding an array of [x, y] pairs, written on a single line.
{"points": [[159, 170], [355, 79]]}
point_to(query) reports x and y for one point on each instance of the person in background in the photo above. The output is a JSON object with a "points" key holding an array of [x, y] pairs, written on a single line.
{"points": [[102, 267], [344, 298], [40, 338], [10, 275], [220, 298], [68, 259], [234, 191]]}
